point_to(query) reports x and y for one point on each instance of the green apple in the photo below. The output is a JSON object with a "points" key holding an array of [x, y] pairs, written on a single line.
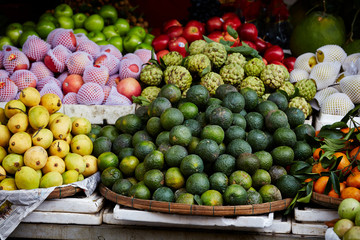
{"points": [[137, 30], [108, 13], [79, 19], [130, 42], [43, 28], [28, 25], [94, 23], [49, 17], [66, 22], [5, 40], [102, 43], [148, 38], [117, 41], [63, 10], [110, 31], [13, 31], [123, 26], [96, 36], [25, 35], [80, 30], [144, 46]]}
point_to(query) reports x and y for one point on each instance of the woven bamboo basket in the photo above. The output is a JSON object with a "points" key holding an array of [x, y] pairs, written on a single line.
{"points": [[61, 192], [186, 209], [325, 200]]}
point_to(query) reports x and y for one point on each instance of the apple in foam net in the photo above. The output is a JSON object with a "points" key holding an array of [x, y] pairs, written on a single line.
{"points": [[72, 83], [129, 87], [178, 44]]}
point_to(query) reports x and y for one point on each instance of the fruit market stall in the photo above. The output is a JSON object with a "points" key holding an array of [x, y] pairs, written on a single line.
{"points": [[230, 118]]}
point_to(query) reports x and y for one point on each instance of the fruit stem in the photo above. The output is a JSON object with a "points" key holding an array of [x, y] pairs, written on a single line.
{"points": [[352, 25], [16, 108], [324, 6]]}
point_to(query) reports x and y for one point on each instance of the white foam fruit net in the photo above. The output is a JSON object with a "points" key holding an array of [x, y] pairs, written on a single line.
{"points": [[41, 83], [302, 61], [350, 85], [77, 61], [298, 74], [321, 95], [52, 34], [90, 94], [63, 76], [113, 80], [40, 70], [97, 74], [66, 38], [115, 98], [4, 73], [337, 104], [15, 59], [325, 74], [109, 48], [52, 87], [129, 68], [69, 98], [59, 54], [106, 90], [331, 53], [8, 90], [108, 60], [90, 47], [1, 59], [35, 48], [24, 79], [349, 64], [144, 55]]}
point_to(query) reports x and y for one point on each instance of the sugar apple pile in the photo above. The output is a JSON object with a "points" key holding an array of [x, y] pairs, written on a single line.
{"points": [[336, 77], [212, 64]]}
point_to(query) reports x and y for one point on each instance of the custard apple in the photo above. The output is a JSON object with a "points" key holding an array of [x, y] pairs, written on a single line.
{"points": [[302, 104], [307, 88], [197, 64], [217, 53], [211, 81], [179, 76], [150, 93], [236, 58], [232, 74], [273, 75], [288, 87], [151, 75], [197, 47], [172, 58], [254, 67], [254, 83]]}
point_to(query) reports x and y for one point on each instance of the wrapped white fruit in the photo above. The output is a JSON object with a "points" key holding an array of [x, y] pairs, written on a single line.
{"points": [[330, 53], [337, 104], [321, 95], [298, 74], [305, 61], [325, 74], [350, 85], [349, 64]]}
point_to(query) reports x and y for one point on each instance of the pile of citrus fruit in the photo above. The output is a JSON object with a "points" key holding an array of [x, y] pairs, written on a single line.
{"points": [[232, 148]]}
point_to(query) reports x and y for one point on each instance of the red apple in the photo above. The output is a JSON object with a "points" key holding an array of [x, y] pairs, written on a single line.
{"points": [[198, 24], [161, 53], [216, 36], [170, 23], [264, 60], [228, 15], [274, 53], [289, 63], [178, 44], [260, 44], [234, 22], [251, 44], [160, 42], [192, 33], [228, 37], [248, 31], [277, 63], [72, 83], [129, 87], [175, 31], [214, 24]]}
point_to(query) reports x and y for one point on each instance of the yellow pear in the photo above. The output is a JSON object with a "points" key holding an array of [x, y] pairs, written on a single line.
{"points": [[53, 116], [81, 125], [42, 137], [68, 138], [8, 184], [81, 144], [18, 122], [3, 153], [70, 176], [61, 127], [20, 142], [54, 164], [2, 173], [74, 161], [38, 117], [30, 96], [91, 165], [5, 136], [14, 106], [3, 118], [51, 102], [51, 179], [27, 178], [81, 177], [35, 157], [59, 148]]}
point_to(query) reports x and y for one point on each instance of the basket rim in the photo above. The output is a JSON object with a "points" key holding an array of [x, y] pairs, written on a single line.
{"points": [[180, 208], [64, 191], [325, 200]]}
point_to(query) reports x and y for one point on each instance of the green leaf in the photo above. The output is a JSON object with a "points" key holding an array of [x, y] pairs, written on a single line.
{"points": [[351, 113], [187, 47], [198, 200], [245, 50], [338, 125], [208, 40], [335, 182], [308, 189], [206, 70], [141, 100], [292, 204], [232, 32], [328, 186], [327, 132], [334, 145], [327, 162]]}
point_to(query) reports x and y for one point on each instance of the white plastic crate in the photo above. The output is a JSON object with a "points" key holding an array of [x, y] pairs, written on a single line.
{"points": [[327, 119]]}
